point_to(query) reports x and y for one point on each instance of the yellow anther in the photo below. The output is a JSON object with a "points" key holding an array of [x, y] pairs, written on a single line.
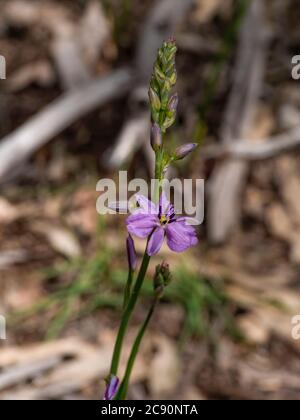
{"points": [[163, 219]]}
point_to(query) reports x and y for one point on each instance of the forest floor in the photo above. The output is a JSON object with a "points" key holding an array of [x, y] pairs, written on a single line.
{"points": [[224, 327]]}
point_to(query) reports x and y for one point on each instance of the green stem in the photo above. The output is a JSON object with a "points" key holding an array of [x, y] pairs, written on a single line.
{"points": [[127, 315], [127, 291], [132, 300], [158, 175], [122, 393]]}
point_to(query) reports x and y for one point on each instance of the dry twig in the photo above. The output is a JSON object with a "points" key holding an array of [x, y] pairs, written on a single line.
{"points": [[229, 178], [265, 149], [19, 146]]}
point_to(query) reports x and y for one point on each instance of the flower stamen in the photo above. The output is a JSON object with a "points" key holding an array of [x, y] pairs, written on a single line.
{"points": [[163, 219]]}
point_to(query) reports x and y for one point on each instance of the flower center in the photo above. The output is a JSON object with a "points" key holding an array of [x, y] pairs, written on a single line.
{"points": [[163, 219]]}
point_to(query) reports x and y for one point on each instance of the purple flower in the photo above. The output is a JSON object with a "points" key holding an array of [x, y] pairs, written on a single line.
{"points": [[111, 388], [159, 221]]}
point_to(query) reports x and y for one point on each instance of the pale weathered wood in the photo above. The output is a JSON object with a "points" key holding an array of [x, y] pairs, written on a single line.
{"points": [[265, 149], [228, 180], [22, 373], [18, 146]]}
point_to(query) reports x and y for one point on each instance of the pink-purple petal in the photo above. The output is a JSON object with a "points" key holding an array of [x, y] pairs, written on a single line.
{"points": [[180, 236], [111, 388], [156, 241], [141, 225], [119, 206], [165, 207], [146, 206], [144, 222]]}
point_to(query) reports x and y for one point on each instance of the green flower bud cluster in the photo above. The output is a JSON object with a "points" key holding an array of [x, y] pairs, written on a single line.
{"points": [[163, 103], [162, 279]]}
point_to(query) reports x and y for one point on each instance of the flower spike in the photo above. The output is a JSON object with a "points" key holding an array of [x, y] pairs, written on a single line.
{"points": [[163, 106]]}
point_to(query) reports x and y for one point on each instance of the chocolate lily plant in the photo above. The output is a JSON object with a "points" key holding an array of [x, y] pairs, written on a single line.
{"points": [[153, 221]]}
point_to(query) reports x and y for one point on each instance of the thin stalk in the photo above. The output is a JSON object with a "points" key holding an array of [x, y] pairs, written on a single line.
{"points": [[128, 309], [158, 175], [162, 111], [128, 287], [122, 393], [128, 313]]}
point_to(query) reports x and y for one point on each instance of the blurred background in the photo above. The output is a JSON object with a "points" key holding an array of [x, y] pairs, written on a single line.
{"points": [[73, 110]]}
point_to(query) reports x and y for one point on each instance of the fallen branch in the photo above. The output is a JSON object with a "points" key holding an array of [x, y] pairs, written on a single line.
{"points": [[132, 135], [230, 176], [56, 369], [266, 149], [12, 257], [17, 374], [18, 146]]}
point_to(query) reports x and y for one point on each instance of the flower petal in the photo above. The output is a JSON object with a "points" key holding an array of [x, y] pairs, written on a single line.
{"points": [[156, 241], [180, 236], [111, 388], [146, 206], [164, 206], [141, 225], [189, 220], [119, 206]]}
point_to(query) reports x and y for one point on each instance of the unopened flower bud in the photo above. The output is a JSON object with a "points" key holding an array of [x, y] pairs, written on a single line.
{"points": [[169, 121], [154, 100], [111, 388], [131, 253], [156, 137], [159, 74], [184, 150], [162, 278], [173, 77], [173, 103], [170, 46], [165, 271]]}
